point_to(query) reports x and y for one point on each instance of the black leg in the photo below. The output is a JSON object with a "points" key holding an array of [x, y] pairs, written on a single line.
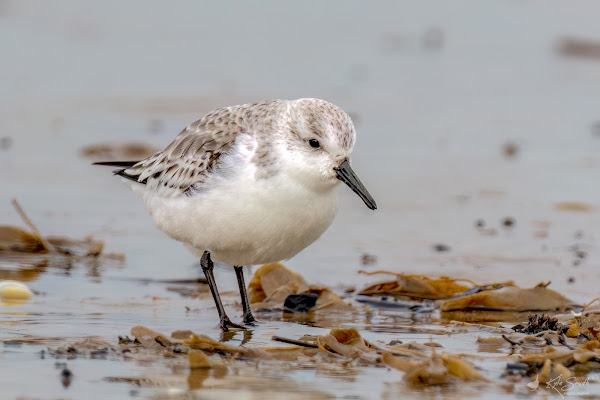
{"points": [[207, 267], [248, 317]]}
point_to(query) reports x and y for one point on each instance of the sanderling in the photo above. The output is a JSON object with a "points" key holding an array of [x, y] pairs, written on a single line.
{"points": [[249, 184]]}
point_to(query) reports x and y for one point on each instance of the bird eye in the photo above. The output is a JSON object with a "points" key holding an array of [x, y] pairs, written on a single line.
{"points": [[314, 143]]}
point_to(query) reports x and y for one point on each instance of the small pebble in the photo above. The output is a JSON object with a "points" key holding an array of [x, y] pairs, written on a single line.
{"points": [[441, 247], [66, 376], [510, 150], [124, 340], [368, 259], [508, 222], [517, 366], [300, 302], [14, 292]]}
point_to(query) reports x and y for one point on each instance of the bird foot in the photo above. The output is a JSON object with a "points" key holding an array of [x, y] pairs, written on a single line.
{"points": [[250, 320], [226, 324]]}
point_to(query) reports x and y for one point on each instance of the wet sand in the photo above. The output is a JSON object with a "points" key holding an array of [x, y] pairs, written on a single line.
{"points": [[433, 111]]}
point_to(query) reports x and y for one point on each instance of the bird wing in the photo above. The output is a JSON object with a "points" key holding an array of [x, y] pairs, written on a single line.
{"points": [[190, 158]]}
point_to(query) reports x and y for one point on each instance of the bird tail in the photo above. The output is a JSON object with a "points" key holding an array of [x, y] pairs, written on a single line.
{"points": [[123, 164]]}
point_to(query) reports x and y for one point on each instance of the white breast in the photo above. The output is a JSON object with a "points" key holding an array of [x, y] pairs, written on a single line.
{"points": [[242, 220]]}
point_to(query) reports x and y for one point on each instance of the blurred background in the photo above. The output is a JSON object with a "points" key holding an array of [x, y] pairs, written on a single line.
{"points": [[468, 114], [478, 135]]}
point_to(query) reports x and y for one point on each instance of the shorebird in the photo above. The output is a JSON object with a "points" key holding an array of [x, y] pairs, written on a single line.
{"points": [[249, 184]]}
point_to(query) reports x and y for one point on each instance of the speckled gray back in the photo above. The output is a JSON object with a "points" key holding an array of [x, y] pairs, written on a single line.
{"points": [[184, 164]]}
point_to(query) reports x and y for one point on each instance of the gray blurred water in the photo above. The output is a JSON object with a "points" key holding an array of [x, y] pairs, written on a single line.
{"points": [[436, 90]]}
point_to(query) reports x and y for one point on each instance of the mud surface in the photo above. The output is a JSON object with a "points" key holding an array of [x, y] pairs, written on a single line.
{"points": [[477, 135]]}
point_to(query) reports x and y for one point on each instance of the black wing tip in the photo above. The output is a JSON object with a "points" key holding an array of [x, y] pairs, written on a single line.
{"points": [[121, 172], [116, 163]]}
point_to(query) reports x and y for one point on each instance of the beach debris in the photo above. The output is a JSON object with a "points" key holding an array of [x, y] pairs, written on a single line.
{"points": [[14, 238], [339, 342], [348, 342], [14, 292], [440, 247], [532, 344], [91, 347], [516, 371], [576, 206], [31, 246], [511, 298], [508, 222], [433, 370], [118, 151], [367, 259], [584, 359], [585, 323], [547, 354], [510, 150], [125, 340], [395, 301], [197, 359], [459, 301], [154, 380], [273, 283], [579, 48], [416, 286], [95, 249], [66, 376], [272, 279], [539, 323], [294, 341], [17, 239], [302, 302], [208, 345], [151, 339]]}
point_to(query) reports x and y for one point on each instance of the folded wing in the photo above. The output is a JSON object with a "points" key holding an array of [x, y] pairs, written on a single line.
{"points": [[184, 164]]}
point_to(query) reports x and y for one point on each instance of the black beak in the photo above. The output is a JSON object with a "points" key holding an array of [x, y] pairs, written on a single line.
{"points": [[346, 175]]}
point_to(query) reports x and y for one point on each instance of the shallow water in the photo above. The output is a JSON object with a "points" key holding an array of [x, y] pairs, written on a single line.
{"points": [[435, 91]]}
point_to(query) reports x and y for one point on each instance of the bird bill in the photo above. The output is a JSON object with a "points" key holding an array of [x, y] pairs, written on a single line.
{"points": [[346, 174]]}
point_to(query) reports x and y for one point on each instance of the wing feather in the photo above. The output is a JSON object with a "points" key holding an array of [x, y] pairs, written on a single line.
{"points": [[191, 157], [184, 165]]}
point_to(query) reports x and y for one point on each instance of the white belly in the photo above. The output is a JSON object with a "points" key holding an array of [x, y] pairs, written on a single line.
{"points": [[243, 221]]}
